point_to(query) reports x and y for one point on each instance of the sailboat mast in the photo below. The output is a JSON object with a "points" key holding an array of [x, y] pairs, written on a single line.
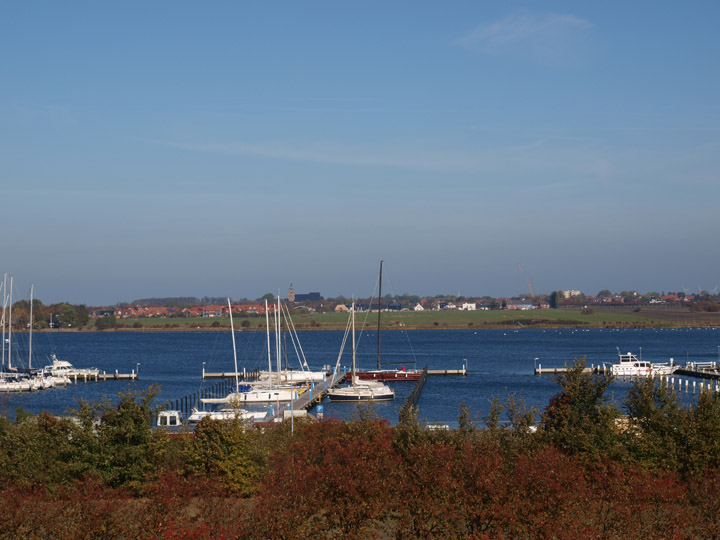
{"points": [[353, 343], [267, 333], [9, 362], [232, 332], [278, 355], [4, 298], [379, 310], [31, 325]]}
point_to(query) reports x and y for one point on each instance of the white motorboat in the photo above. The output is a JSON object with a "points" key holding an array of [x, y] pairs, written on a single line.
{"points": [[63, 368], [226, 414], [630, 366]]}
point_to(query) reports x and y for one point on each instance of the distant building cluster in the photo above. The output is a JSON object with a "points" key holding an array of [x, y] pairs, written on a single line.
{"points": [[314, 301], [210, 310]]}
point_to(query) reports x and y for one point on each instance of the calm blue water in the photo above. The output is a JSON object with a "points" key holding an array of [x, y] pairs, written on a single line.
{"points": [[500, 362]]}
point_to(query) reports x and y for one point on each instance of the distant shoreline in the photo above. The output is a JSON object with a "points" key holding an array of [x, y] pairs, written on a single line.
{"points": [[598, 318]]}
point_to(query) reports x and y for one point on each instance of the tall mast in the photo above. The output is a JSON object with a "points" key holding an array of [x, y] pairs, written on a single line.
{"points": [[4, 299], [232, 332], [379, 310], [31, 325], [278, 355], [267, 333], [353, 343], [9, 362]]}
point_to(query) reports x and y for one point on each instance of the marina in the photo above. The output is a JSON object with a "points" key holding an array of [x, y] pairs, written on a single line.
{"points": [[492, 363]]}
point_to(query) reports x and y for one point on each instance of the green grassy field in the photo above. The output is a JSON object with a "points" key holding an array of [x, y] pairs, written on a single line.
{"points": [[546, 318]]}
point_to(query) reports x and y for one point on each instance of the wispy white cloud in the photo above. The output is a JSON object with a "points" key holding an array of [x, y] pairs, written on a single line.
{"points": [[528, 164], [548, 38], [336, 154]]}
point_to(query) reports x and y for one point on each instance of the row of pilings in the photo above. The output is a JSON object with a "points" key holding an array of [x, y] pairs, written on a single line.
{"points": [[412, 399]]}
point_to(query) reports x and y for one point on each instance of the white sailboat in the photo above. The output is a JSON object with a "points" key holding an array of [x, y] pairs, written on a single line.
{"points": [[360, 390], [286, 376], [268, 391], [14, 380]]}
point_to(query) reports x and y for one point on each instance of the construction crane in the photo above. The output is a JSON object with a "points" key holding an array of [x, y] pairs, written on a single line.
{"points": [[529, 281]]}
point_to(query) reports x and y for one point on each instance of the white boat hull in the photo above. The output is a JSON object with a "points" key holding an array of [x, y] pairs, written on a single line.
{"points": [[379, 392]]}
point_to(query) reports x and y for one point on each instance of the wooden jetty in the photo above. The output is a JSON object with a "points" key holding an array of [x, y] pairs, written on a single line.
{"points": [[461, 372], [412, 399], [242, 375], [539, 370], [104, 377], [316, 391]]}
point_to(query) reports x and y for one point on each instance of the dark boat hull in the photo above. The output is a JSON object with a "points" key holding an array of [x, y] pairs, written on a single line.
{"points": [[382, 397], [389, 375]]}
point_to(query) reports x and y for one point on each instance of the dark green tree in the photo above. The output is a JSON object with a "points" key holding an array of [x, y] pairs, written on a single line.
{"points": [[555, 299], [579, 419], [702, 434], [103, 323], [226, 451], [655, 424], [125, 438], [67, 316], [83, 317]]}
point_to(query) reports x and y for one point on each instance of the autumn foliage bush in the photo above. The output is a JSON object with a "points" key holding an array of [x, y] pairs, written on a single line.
{"points": [[580, 476]]}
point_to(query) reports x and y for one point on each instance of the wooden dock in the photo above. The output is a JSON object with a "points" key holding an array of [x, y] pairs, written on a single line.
{"points": [[412, 399], [556, 371], [241, 375], [104, 377], [698, 373], [307, 400], [461, 372]]}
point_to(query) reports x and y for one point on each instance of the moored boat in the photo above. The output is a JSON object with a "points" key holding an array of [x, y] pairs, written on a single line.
{"points": [[63, 368], [389, 375], [629, 365], [358, 390], [381, 374]]}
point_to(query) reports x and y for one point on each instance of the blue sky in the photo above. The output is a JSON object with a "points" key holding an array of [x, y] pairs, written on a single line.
{"points": [[230, 148]]}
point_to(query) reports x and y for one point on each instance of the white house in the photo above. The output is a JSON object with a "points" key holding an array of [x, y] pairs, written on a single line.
{"points": [[468, 306], [418, 307]]}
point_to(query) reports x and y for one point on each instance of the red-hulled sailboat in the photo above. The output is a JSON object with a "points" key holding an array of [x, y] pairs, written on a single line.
{"points": [[380, 374]]}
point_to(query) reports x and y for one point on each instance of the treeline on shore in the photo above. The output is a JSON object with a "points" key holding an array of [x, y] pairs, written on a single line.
{"points": [[582, 471]]}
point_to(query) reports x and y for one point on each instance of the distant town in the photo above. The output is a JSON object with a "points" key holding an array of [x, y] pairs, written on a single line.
{"points": [[65, 315]]}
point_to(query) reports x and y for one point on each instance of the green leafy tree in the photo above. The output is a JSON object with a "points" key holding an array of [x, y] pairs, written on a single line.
{"points": [[664, 434], [228, 452], [655, 424], [703, 434], [66, 315], [579, 419], [555, 299], [270, 297], [83, 317], [125, 438], [103, 323]]}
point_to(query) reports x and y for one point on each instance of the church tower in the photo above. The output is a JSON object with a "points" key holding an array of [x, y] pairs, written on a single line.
{"points": [[291, 293]]}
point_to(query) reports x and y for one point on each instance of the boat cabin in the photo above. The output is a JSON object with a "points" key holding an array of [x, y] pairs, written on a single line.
{"points": [[169, 418]]}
